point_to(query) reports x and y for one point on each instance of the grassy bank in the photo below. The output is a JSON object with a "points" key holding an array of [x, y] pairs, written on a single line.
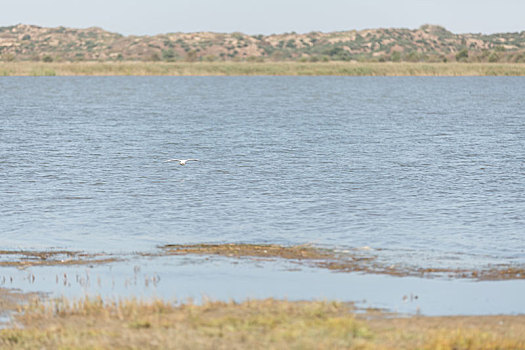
{"points": [[264, 68], [258, 324]]}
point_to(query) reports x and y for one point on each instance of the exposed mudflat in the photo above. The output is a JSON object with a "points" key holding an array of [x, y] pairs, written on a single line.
{"points": [[357, 260], [26, 258]]}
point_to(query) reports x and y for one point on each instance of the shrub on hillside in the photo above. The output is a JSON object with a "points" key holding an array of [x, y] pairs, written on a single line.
{"points": [[395, 56], [493, 57], [168, 55], [462, 56], [338, 54], [8, 57]]}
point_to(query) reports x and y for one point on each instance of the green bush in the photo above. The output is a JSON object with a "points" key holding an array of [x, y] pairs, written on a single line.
{"points": [[155, 57], [338, 54], [395, 56], [168, 55], [520, 58], [191, 56], [493, 57], [255, 59], [413, 56], [462, 55], [8, 57]]}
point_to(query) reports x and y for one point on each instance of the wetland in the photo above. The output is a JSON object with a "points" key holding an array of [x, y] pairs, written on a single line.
{"points": [[397, 194], [28, 68]]}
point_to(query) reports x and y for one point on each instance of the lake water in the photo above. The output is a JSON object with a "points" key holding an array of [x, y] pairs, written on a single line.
{"points": [[424, 170]]}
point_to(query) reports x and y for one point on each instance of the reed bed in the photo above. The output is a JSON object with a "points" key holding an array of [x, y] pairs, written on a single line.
{"points": [[27, 68]]}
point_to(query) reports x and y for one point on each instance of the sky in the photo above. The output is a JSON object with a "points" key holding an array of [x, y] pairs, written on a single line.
{"points": [[149, 17]]}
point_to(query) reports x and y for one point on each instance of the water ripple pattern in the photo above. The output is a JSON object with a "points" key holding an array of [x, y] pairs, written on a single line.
{"points": [[423, 170]]}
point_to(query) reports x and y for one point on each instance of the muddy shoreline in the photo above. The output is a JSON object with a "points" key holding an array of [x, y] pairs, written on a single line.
{"points": [[28, 258], [347, 261]]}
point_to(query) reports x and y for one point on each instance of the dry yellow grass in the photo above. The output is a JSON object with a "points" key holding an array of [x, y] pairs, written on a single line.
{"points": [[255, 324], [265, 68]]}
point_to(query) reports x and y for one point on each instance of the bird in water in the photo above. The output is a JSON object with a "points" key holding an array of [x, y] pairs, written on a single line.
{"points": [[181, 161]]}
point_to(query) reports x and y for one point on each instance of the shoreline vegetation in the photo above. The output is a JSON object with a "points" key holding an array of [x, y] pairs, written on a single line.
{"points": [[32, 320], [258, 324], [290, 68], [356, 260]]}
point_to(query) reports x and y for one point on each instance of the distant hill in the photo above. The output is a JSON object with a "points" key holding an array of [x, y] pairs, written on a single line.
{"points": [[429, 43]]}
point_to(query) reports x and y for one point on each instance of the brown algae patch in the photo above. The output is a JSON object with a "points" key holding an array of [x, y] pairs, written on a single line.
{"points": [[27, 258], [341, 261], [352, 260], [299, 252]]}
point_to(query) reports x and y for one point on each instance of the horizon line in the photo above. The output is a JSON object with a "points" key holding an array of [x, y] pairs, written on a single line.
{"points": [[272, 34]]}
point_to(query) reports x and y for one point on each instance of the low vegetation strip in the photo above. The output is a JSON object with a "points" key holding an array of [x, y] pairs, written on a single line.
{"points": [[238, 250], [347, 260], [28, 68], [28, 258], [253, 324], [355, 260]]}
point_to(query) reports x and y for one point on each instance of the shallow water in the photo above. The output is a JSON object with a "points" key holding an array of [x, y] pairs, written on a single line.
{"points": [[179, 278], [427, 171]]}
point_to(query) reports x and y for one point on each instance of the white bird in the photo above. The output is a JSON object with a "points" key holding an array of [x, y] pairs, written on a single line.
{"points": [[181, 161]]}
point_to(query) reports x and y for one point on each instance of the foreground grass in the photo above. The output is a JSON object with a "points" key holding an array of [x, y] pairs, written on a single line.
{"points": [[256, 324], [266, 68]]}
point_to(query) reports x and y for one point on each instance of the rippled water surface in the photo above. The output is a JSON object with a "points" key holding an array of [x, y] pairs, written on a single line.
{"points": [[428, 171]]}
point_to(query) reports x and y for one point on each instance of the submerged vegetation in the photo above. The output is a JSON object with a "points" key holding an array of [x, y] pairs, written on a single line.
{"points": [[254, 68], [255, 324], [354, 260], [363, 260], [28, 258]]}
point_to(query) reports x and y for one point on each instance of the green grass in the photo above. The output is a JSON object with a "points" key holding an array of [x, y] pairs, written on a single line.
{"points": [[261, 68]]}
